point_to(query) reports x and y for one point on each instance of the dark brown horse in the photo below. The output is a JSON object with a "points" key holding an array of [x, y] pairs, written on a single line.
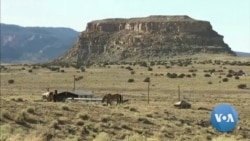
{"points": [[112, 97], [63, 96]]}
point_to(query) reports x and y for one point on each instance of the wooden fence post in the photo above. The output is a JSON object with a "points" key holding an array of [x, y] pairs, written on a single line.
{"points": [[179, 95], [74, 83], [148, 91]]}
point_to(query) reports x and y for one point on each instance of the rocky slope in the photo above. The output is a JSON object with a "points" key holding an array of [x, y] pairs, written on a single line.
{"points": [[143, 38], [34, 44]]}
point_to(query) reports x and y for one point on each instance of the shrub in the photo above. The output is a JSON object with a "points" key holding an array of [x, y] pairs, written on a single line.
{"points": [[133, 109], [102, 137], [44, 65], [224, 138], [20, 118], [54, 68], [241, 71], [192, 70], [172, 75], [79, 122], [83, 69], [181, 75], [211, 71], [146, 79], [144, 120], [193, 74], [143, 64], [83, 116], [205, 70], [126, 126], [207, 75], [242, 86], [150, 69], [31, 110], [106, 63], [30, 70], [237, 77], [132, 72], [11, 81], [135, 137], [131, 80], [62, 71], [152, 63], [129, 68], [19, 99], [54, 124], [5, 114], [225, 79], [64, 107], [167, 67], [229, 75], [105, 118], [180, 64], [62, 120]]}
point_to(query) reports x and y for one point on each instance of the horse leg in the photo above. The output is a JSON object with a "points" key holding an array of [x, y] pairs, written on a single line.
{"points": [[118, 101], [108, 102]]}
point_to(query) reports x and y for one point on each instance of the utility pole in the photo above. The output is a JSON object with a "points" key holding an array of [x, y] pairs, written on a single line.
{"points": [[74, 83], [148, 90], [179, 95]]}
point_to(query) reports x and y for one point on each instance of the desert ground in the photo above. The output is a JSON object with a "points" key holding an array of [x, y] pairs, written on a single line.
{"points": [[26, 117]]}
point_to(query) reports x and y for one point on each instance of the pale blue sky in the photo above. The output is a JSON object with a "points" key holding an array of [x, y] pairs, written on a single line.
{"points": [[230, 18]]}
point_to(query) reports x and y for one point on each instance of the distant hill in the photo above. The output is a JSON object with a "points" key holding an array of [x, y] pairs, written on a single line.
{"points": [[242, 54], [34, 44]]}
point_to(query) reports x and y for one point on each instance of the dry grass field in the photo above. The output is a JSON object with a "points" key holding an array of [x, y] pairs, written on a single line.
{"points": [[25, 117]]}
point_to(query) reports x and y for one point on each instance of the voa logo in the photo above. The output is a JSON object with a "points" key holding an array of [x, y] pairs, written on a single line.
{"points": [[224, 118]]}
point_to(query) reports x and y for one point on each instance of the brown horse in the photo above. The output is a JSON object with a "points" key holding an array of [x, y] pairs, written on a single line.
{"points": [[50, 97], [112, 97]]}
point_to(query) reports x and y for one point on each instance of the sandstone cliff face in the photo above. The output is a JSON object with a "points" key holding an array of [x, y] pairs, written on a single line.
{"points": [[174, 24], [138, 38]]}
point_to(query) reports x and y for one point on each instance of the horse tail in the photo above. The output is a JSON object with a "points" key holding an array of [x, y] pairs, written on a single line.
{"points": [[104, 98]]}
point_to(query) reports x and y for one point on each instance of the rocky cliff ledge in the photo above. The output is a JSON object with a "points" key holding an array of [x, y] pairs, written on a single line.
{"points": [[140, 38]]}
